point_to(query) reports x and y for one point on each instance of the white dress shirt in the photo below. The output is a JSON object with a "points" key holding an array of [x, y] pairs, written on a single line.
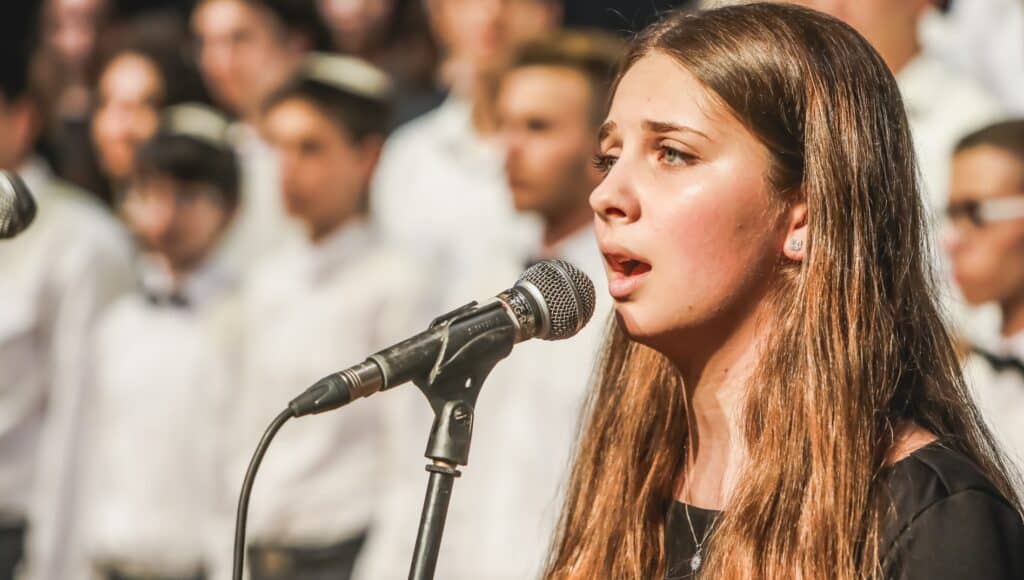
{"points": [[312, 310], [55, 280], [944, 105], [1000, 395], [156, 421], [505, 506], [983, 38], [440, 191], [261, 225]]}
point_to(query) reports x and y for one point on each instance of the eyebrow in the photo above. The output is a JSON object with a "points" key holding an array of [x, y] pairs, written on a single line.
{"points": [[653, 126], [606, 130], [664, 127]]}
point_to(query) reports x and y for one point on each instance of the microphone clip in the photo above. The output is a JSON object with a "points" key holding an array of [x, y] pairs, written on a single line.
{"points": [[454, 382]]}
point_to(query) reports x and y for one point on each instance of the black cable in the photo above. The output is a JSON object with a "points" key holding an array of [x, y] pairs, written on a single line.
{"points": [[243, 499]]}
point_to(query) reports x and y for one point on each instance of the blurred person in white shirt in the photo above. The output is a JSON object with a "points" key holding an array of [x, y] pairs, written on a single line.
{"points": [[985, 240], [943, 104], [56, 279], [141, 71], [984, 38], [505, 505], [156, 413], [441, 190], [247, 49], [315, 306]]}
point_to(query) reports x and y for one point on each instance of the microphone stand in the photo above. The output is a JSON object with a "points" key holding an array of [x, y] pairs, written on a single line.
{"points": [[452, 388]]}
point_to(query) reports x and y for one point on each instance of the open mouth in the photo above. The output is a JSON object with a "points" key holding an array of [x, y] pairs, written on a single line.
{"points": [[627, 266], [625, 273]]}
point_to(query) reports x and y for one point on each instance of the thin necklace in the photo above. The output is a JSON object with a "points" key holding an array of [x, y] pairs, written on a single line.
{"points": [[698, 555]]}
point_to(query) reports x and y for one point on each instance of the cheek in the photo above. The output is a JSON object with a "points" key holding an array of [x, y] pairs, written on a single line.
{"points": [[992, 263], [714, 248]]}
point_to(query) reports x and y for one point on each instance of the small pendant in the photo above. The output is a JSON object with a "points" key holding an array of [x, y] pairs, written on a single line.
{"points": [[696, 561]]}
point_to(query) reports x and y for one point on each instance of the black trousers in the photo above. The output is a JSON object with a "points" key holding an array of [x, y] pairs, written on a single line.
{"points": [[113, 573], [334, 562], [12, 549]]}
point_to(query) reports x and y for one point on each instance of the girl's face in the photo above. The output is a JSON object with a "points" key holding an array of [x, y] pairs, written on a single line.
{"points": [[685, 216]]}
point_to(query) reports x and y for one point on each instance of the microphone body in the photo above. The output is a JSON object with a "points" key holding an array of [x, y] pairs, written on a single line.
{"points": [[17, 207], [552, 300]]}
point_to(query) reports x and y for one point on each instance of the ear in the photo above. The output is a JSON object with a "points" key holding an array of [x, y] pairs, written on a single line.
{"points": [[370, 149], [796, 242], [22, 126]]}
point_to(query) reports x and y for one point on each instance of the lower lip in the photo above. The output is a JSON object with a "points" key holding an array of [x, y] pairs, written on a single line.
{"points": [[621, 286]]}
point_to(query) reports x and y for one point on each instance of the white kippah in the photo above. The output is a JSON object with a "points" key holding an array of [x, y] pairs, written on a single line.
{"points": [[348, 74], [199, 122]]}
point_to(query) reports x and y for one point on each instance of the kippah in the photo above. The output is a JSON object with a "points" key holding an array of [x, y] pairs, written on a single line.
{"points": [[198, 121], [349, 75]]}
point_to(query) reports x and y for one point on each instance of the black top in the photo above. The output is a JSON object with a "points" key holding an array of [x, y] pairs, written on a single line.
{"points": [[948, 522]]}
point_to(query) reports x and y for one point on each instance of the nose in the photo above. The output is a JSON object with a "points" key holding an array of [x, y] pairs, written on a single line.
{"points": [[952, 239], [613, 200]]}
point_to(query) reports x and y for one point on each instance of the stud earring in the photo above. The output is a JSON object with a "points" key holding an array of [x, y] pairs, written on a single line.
{"points": [[796, 244]]}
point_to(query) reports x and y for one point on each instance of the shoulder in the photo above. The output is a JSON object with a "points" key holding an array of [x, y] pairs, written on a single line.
{"points": [[957, 92], [946, 519], [84, 214], [125, 317]]}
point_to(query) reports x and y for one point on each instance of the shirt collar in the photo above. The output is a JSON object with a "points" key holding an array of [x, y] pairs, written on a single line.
{"points": [[211, 281], [918, 82], [347, 243], [453, 124], [38, 176]]}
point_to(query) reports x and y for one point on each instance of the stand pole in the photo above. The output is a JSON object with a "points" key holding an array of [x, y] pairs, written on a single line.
{"points": [[452, 388], [435, 512]]}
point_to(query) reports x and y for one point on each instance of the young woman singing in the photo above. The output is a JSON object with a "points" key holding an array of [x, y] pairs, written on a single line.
{"points": [[779, 397]]}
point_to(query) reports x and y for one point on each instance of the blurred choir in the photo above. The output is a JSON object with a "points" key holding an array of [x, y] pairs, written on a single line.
{"points": [[238, 197]]}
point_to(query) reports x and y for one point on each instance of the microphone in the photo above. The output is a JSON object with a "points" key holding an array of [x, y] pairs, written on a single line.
{"points": [[17, 208], [551, 300]]}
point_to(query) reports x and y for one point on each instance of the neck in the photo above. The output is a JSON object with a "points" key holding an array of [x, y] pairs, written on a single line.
{"points": [[564, 225], [715, 388], [899, 49], [318, 233], [477, 86], [1013, 317]]}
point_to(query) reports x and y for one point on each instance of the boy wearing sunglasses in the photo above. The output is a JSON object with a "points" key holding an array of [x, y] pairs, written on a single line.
{"points": [[986, 246]]}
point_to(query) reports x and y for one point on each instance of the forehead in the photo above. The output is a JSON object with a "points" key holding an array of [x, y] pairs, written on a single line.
{"points": [[217, 16], [544, 87], [658, 87], [131, 76], [298, 118], [986, 171]]}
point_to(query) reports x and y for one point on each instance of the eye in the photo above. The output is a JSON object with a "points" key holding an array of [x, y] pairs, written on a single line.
{"points": [[671, 156], [604, 163]]}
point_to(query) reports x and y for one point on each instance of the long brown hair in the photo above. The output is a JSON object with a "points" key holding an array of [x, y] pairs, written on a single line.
{"points": [[858, 344]]}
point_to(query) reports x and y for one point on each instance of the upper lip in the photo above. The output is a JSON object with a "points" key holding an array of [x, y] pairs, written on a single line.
{"points": [[620, 259]]}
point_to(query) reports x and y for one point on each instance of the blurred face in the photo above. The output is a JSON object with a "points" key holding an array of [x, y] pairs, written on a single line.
{"points": [[179, 220], [545, 116], [130, 92], [72, 30], [988, 258], [487, 32], [354, 23], [685, 216], [876, 20], [324, 174], [18, 130], [243, 54]]}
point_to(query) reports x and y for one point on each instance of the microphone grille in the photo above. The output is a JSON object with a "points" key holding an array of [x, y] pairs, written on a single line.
{"points": [[17, 208], [568, 296]]}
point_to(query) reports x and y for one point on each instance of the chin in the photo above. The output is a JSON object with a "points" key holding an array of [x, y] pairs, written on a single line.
{"points": [[640, 326]]}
